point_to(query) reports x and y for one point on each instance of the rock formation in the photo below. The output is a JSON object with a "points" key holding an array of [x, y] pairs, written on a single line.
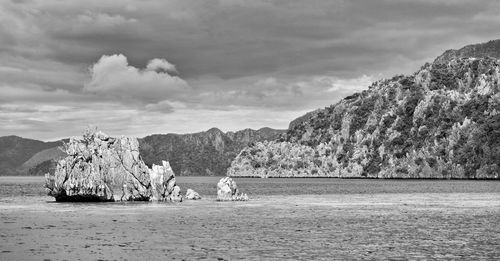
{"points": [[163, 185], [192, 195], [441, 122], [102, 168], [175, 195], [228, 191]]}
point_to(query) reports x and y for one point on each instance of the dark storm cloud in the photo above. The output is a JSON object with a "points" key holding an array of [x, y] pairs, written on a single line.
{"points": [[223, 63]]}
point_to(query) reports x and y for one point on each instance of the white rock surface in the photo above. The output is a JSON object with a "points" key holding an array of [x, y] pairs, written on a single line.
{"points": [[99, 167], [192, 195], [227, 190]]}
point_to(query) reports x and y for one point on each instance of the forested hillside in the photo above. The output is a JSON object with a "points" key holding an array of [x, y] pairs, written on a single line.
{"points": [[15, 151], [441, 122], [204, 153]]}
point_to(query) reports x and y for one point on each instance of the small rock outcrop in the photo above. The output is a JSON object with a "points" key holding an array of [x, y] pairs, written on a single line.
{"points": [[192, 195], [103, 168], [163, 185], [228, 191], [175, 196]]}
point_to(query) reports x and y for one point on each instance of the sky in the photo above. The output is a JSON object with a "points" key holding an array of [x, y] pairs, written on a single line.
{"points": [[145, 67]]}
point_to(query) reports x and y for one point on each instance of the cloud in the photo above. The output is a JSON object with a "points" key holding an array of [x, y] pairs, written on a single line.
{"points": [[161, 65], [165, 106], [233, 39], [355, 84], [230, 63], [28, 108], [91, 19], [298, 93], [113, 77]]}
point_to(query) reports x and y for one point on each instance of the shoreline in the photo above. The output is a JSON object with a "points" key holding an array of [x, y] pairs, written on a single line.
{"points": [[27, 177]]}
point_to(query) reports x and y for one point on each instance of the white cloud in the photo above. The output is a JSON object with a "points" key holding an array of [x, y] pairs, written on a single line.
{"points": [[102, 19], [354, 84], [161, 65], [112, 76], [165, 106]]}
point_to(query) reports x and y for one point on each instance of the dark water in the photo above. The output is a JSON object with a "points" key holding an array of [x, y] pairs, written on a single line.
{"points": [[319, 219]]}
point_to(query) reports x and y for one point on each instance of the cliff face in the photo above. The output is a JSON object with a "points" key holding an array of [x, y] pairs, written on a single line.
{"points": [[204, 153], [441, 122]]}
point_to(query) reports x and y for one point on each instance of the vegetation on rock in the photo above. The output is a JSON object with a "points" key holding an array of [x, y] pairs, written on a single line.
{"points": [[441, 122], [206, 153]]}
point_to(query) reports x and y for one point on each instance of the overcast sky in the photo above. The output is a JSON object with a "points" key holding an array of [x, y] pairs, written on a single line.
{"points": [[142, 67]]}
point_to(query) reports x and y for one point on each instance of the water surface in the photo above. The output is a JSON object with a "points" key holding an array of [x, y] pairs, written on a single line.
{"points": [[285, 219]]}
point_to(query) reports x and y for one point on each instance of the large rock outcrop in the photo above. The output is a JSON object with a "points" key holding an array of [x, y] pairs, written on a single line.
{"points": [[103, 168], [227, 190], [441, 122]]}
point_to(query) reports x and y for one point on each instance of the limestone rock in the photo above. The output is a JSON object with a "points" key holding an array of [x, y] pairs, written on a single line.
{"points": [[191, 194], [175, 196], [227, 190], [162, 181], [99, 167]]}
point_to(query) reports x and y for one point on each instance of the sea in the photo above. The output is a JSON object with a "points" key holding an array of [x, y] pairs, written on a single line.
{"points": [[285, 219]]}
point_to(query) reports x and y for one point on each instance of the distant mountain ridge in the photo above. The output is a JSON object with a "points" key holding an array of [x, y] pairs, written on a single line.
{"points": [[203, 153], [441, 122], [15, 151]]}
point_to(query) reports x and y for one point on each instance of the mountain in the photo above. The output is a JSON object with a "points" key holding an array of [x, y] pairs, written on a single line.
{"points": [[43, 162], [15, 151], [304, 118], [482, 50], [441, 122], [204, 153]]}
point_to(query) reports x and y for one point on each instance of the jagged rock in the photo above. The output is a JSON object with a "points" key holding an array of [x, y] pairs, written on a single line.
{"points": [[175, 196], [191, 194], [162, 181], [227, 190], [98, 167]]}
